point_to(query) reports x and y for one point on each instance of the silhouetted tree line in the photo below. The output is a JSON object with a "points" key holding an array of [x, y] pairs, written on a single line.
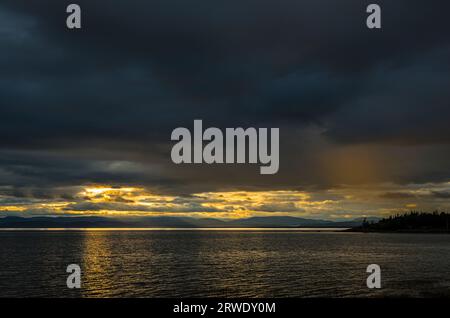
{"points": [[412, 221]]}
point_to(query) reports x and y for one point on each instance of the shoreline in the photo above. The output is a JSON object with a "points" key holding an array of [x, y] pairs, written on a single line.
{"points": [[402, 231], [249, 229]]}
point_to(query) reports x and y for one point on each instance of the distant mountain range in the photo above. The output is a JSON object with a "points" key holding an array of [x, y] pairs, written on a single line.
{"points": [[164, 222]]}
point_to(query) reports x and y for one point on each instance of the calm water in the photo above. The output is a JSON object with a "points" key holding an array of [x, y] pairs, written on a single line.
{"points": [[222, 263]]}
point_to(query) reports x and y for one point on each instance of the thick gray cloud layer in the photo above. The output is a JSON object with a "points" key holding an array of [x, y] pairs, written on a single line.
{"points": [[97, 105]]}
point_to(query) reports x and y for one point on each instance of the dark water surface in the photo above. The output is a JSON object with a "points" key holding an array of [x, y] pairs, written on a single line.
{"points": [[240, 263]]}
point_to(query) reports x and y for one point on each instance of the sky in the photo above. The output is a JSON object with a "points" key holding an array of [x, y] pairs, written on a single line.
{"points": [[86, 115]]}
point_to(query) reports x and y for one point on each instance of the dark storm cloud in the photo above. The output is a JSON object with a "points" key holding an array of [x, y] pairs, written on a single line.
{"points": [[401, 105], [34, 172], [441, 194], [397, 195], [406, 195], [97, 105], [39, 193], [90, 206], [278, 207]]}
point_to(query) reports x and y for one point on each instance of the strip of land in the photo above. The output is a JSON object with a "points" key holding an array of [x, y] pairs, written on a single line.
{"points": [[413, 222]]}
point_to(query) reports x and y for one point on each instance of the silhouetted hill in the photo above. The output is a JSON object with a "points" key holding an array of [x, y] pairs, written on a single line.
{"points": [[269, 221], [285, 221], [162, 221], [410, 222]]}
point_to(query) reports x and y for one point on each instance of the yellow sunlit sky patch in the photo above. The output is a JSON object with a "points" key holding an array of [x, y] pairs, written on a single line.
{"points": [[344, 202]]}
